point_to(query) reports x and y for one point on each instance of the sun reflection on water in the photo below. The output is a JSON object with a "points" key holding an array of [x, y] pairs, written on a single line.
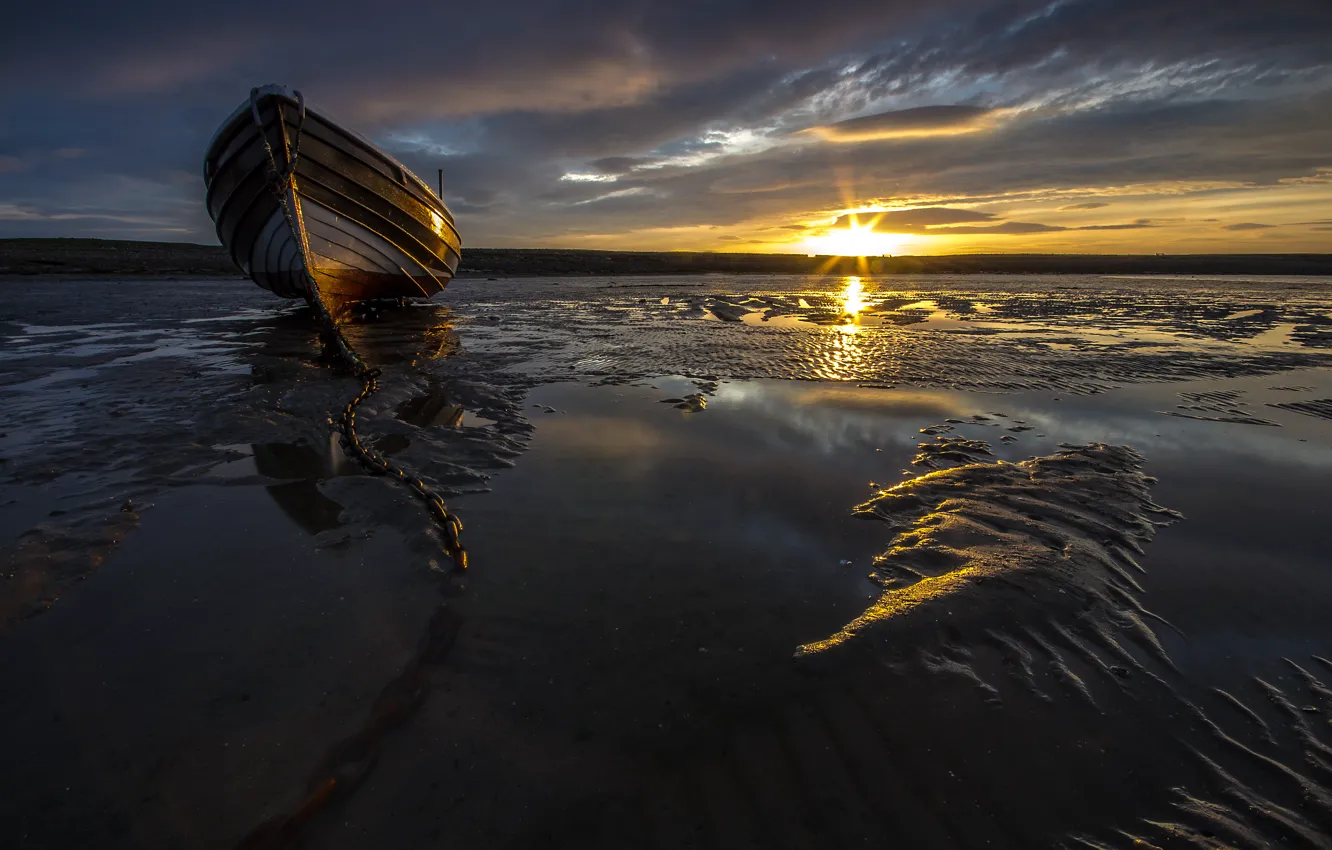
{"points": [[853, 302]]}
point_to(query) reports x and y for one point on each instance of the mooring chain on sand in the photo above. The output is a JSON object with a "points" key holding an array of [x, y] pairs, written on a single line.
{"points": [[284, 183], [376, 464]]}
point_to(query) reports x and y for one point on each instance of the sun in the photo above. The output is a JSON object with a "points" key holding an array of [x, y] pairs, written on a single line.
{"points": [[855, 240]]}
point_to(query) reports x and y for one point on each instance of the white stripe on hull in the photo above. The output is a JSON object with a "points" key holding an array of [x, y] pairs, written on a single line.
{"points": [[275, 262]]}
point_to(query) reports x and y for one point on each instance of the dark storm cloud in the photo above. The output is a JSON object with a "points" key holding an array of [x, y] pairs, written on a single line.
{"points": [[534, 52], [553, 116]]}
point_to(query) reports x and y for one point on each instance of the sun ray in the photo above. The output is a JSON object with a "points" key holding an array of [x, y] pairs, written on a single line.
{"points": [[858, 239]]}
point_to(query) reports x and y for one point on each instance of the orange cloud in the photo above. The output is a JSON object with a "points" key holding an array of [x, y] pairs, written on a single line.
{"points": [[920, 122]]}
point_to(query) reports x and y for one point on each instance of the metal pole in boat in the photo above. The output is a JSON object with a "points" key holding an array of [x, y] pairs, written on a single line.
{"points": [[440, 192]]}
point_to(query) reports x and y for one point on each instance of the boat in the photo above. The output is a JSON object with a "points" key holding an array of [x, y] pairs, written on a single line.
{"points": [[309, 209]]}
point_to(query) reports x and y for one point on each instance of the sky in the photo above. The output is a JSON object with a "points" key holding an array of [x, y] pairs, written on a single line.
{"points": [[831, 127]]}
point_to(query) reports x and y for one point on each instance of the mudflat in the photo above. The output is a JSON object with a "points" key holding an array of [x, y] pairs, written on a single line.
{"points": [[782, 561]]}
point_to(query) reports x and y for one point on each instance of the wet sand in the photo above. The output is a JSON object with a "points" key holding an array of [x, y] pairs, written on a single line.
{"points": [[217, 633]]}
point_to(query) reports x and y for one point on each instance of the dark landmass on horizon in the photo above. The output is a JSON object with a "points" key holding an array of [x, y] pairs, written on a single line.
{"points": [[94, 257]]}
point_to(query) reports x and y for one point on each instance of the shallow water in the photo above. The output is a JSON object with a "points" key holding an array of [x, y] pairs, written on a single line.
{"points": [[262, 648]]}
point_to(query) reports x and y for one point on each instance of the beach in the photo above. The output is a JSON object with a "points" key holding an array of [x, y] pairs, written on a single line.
{"points": [[784, 561]]}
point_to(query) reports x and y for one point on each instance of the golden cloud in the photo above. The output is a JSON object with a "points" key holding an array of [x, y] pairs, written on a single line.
{"points": [[920, 122]]}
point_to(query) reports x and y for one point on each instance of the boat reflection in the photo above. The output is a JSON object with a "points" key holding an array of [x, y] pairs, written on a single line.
{"points": [[300, 460], [388, 333], [301, 467]]}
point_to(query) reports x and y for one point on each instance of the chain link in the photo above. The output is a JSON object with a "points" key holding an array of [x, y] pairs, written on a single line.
{"points": [[284, 183]]}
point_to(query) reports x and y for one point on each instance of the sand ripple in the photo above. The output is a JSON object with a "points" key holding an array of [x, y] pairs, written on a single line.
{"points": [[1053, 537], [1320, 407], [1270, 784]]}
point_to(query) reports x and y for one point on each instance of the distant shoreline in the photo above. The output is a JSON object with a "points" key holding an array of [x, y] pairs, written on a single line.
{"points": [[105, 257]]}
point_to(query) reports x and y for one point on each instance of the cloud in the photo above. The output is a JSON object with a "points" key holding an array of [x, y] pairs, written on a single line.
{"points": [[1067, 52], [620, 164], [895, 221], [918, 122], [1007, 228], [1125, 151], [529, 54], [1248, 225], [693, 111], [1136, 225], [950, 221]]}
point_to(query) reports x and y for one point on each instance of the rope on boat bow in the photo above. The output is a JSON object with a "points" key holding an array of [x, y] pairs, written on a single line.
{"points": [[284, 183]]}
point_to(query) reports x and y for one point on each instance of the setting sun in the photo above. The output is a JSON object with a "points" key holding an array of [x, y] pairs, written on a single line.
{"points": [[855, 240]]}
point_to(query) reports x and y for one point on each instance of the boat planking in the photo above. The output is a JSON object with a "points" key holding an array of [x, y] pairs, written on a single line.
{"points": [[357, 221]]}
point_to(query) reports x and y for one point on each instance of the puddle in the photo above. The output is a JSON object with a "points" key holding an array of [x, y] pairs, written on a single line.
{"points": [[766, 319]]}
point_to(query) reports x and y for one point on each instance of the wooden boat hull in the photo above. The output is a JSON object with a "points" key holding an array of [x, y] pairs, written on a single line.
{"points": [[355, 219]]}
